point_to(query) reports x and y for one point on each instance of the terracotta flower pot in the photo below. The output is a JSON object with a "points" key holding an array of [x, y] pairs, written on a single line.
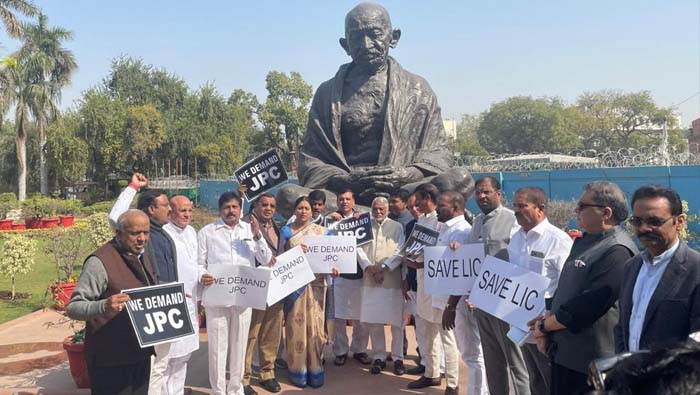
{"points": [[19, 226], [33, 223], [5, 224], [66, 220], [48, 223], [61, 294], [76, 359]]}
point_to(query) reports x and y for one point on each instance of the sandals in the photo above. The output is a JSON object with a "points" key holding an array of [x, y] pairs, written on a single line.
{"points": [[340, 360]]}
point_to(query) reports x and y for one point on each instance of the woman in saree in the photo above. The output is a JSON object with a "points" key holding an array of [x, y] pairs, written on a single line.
{"points": [[304, 308]]}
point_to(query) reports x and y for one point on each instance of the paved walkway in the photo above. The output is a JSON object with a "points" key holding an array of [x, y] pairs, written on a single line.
{"points": [[349, 379]]}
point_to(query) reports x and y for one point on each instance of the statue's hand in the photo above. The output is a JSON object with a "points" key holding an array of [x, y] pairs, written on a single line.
{"points": [[391, 177]]}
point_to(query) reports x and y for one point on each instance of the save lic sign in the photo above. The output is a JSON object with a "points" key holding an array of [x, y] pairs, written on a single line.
{"points": [[158, 313]]}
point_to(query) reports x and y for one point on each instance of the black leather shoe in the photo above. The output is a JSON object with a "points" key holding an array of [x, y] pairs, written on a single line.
{"points": [[451, 391], [248, 390], [362, 357], [377, 366], [417, 370], [271, 385], [423, 382], [399, 369]]}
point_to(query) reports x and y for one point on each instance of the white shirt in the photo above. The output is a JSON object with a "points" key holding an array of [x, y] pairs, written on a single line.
{"points": [[122, 204], [458, 230], [187, 273], [647, 280], [543, 250], [220, 244]]}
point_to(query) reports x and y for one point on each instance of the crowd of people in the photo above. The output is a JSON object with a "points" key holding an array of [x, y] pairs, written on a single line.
{"points": [[604, 297]]}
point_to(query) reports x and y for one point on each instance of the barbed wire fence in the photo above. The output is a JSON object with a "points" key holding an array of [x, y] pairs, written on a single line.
{"points": [[579, 159]]}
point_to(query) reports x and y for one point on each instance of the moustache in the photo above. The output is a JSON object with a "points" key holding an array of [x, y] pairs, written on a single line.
{"points": [[649, 235]]}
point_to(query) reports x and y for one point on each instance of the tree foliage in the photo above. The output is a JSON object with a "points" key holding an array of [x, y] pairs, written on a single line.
{"points": [[466, 142], [523, 124], [17, 257], [66, 150], [8, 10]]}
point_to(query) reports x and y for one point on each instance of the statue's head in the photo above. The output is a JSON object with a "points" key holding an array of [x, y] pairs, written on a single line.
{"points": [[369, 35]]}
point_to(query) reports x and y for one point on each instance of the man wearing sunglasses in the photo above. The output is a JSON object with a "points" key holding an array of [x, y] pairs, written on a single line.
{"points": [[660, 295], [584, 307]]}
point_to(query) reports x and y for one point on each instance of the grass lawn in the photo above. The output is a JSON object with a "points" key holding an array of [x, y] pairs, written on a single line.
{"points": [[35, 283]]}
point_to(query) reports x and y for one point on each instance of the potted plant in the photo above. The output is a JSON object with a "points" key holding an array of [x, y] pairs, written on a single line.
{"points": [[67, 210], [64, 245], [8, 202], [33, 210], [75, 346], [51, 208]]}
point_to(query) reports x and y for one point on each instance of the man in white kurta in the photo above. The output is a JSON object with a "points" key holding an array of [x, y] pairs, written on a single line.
{"points": [[229, 241], [429, 319], [382, 296], [451, 212], [347, 295], [185, 238], [542, 248]]}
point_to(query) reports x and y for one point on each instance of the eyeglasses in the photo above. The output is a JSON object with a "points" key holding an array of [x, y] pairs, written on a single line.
{"points": [[581, 205], [651, 221]]}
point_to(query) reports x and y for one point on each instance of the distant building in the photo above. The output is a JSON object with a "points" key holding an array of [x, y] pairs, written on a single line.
{"points": [[694, 137], [450, 128]]}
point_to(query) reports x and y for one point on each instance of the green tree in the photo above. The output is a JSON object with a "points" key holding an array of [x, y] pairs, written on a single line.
{"points": [[523, 124], [13, 27], [49, 67], [614, 120], [285, 112], [466, 142], [144, 132], [66, 150]]}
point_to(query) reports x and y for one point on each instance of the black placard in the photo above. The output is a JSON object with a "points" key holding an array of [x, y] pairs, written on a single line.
{"points": [[420, 238], [159, 313], [360, 227], [261, 174]]}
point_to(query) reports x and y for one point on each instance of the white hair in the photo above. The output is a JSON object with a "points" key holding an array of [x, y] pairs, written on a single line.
{"points": [[124, 217]]}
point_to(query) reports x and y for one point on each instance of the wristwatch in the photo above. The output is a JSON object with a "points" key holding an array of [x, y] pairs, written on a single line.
{"points": [[540, 326]]}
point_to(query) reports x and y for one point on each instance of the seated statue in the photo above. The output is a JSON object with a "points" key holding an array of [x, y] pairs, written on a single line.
{"points": [[374, 127]]}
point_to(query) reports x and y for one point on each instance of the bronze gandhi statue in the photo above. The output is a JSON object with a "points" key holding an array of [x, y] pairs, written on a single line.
{"points": [[374, 127]]}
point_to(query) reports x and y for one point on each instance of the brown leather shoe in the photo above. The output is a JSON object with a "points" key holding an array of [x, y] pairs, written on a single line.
{"points": [[451, 390], [425, 382]]}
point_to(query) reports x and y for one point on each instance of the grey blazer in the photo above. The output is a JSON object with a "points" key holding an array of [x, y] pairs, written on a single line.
{"points": [[674, 308]]}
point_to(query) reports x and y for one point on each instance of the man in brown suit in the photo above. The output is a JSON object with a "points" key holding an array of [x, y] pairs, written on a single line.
{"points": [[116, 364], [265, 325]]}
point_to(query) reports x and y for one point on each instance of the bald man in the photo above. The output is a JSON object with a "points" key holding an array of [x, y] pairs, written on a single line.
{"points": [[115, 361], [185, 238]]}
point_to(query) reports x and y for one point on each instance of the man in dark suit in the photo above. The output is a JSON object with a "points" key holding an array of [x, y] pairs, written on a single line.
{"points": [[660, 295], [265, 325]]}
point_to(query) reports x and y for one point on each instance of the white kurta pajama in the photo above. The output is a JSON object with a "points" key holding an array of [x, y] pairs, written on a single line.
{"points": [[383, 303], [227, 327], [187, 273], [429, 318]]}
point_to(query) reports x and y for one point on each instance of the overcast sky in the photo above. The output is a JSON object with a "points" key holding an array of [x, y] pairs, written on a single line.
{"points": [[473, 53]]}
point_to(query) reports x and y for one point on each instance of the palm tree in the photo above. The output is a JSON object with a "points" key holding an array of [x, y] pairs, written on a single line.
{"points": [[49, 67], [8, 18], [15, 87]]}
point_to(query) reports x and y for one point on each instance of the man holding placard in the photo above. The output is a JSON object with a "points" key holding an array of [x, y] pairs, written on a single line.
{"points": [[505, 365], [347, 296], [542, 248], [265, 325], [466, 331], [115, 361], [382, 299], [229, 241], [429, 319]]}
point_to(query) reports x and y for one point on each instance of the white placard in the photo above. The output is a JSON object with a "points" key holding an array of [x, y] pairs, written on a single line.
{"points": [[509, 292], [326, 252], [291, 272], [452, 272], [237, 285]]}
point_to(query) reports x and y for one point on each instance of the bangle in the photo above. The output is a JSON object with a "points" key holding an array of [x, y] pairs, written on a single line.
{"points": [[540, 326]]}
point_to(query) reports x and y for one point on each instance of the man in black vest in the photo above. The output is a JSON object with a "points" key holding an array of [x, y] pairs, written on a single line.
{"points": [[160, 250], [116, 363], [584, 308]]}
